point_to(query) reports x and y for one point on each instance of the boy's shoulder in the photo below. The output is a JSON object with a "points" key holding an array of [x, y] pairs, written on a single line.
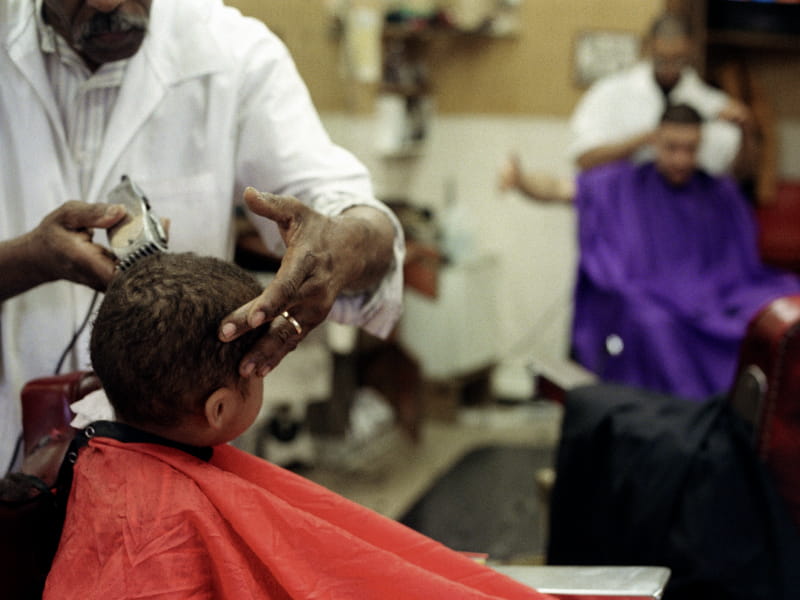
{"points": [[131, 515], [144, 478], [130, 497]]}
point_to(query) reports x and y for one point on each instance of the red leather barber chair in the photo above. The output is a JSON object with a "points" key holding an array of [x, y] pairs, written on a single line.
{"points": [[46, 414], [767, 393], [30, 526]]}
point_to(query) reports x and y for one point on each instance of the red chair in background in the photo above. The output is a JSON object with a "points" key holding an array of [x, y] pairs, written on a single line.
{"points": [[767, 393], [779, 227]]}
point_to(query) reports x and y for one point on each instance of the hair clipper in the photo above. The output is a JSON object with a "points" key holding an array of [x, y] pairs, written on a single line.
{"points": [[140, 233]]}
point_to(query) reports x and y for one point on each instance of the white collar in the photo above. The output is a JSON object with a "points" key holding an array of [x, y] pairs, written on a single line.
{"points": [[47, 35]]}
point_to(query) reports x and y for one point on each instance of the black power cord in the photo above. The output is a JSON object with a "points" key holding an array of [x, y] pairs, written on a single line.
{"points": [[77, 334]]}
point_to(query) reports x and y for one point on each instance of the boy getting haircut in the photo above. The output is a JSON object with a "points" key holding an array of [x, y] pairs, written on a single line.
{"points": [[161, 507], [155, 343]]}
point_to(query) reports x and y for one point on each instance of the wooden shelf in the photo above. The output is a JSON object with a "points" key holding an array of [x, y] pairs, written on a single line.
{"points": [[409, 91], [437, 32], [410, 32], [754, 40], [724, 37]]}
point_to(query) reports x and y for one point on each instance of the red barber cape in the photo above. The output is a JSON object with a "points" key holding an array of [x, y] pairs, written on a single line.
{"points": [[149, 521]]}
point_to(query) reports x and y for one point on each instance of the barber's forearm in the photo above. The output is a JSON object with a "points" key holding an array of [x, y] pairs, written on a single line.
{"points": [[546, 188], [372, 246], [612, 152], [19, 267]]}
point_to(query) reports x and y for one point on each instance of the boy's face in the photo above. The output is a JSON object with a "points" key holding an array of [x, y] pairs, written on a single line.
{"points": [[252, 392], [676, 151]]}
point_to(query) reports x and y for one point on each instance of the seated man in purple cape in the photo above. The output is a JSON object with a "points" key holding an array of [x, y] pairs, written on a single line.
{"points": [[669, 273]]}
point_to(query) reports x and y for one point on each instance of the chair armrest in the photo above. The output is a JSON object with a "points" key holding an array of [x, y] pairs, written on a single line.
{"points": [[767, 392], [555, 377], [590, 583], [46, 405], [46, 417]]}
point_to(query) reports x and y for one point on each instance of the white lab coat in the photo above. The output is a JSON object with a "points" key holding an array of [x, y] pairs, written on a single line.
{"points": [[629, 103], [210, 104]]}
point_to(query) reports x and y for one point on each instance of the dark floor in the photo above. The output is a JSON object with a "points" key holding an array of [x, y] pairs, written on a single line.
{"points": [[487, 502]]}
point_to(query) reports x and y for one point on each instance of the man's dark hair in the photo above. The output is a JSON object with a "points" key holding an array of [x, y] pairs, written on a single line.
{"points": [[682, 114], [154, 343], [669, 25]]}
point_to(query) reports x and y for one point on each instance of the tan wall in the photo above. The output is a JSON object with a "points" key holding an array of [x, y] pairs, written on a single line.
{"points": [[532, 73], [528, 74], [305, 27]]}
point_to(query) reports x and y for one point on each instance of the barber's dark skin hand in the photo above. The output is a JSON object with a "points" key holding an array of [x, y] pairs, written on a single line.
{"points": [[61, 247], [324, 257]]}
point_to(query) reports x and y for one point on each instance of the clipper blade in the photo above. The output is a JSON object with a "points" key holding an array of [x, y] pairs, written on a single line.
{"points": [[140, 233]]}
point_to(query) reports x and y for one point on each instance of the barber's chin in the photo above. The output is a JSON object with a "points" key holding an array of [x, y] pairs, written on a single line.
{"points": [[667, 83], [110, 47]]}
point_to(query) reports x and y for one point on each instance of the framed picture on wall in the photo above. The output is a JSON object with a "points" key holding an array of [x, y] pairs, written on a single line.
{"points": [[598, 53]]}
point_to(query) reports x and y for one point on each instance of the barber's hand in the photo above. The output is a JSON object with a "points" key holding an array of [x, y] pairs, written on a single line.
{"points": [[324, 256], [64, 248], [510, 174], [643, 140], [736, 112]]}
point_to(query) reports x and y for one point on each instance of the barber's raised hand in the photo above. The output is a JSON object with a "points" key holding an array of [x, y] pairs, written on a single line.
{"points": [[736, 112], [324, 257], [61, 247], [510, 174]]}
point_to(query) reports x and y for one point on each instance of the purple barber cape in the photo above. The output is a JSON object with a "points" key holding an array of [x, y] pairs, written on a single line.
{"points": [[674, 272]]}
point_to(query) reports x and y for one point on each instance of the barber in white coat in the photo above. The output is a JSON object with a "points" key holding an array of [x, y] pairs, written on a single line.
{"points": [[617, 117], [194, 103]]}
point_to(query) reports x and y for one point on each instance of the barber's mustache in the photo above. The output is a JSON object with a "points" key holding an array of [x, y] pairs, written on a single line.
{"points": [[112, 22]]}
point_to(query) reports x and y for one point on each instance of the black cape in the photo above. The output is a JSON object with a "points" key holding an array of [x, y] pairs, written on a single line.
{"points": [[648, 479]]}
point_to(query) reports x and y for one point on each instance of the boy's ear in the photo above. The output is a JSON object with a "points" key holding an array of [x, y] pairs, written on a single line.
{"points": [[219, 408]]}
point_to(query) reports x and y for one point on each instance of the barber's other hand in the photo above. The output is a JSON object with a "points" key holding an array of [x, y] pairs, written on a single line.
{"points": [[510, 174], [64, 248], [324, 256], [736, 112]]}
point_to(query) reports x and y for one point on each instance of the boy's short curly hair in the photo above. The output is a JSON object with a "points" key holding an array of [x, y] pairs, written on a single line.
{"points": [[681, 114], [155, 344]]}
